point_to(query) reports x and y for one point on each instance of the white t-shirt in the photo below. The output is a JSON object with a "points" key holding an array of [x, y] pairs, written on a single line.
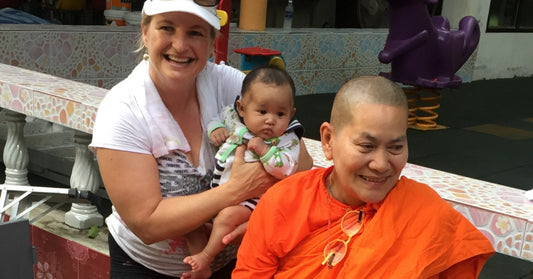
{"points": [[132, 117]]}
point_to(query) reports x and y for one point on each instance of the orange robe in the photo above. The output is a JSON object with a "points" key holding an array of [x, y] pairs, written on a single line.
{"points": [[412, 233]]}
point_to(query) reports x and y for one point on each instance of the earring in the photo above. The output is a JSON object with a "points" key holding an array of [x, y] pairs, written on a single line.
{"points": [[146, 57]]}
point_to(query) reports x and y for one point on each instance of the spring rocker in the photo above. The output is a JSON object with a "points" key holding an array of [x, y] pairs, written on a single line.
{"points": [[252, 57], [425, 55]]}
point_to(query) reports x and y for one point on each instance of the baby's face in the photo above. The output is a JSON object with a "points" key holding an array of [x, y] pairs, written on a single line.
{"points": [[267, 109]]}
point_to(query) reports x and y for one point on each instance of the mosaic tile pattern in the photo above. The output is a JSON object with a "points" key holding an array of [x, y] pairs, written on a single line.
{"points": [[58, 100], [501, 213], [527, 250], [319, 60]]}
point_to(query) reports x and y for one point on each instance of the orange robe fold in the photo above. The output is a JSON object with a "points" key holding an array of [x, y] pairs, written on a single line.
{"points": [[412, 233]]}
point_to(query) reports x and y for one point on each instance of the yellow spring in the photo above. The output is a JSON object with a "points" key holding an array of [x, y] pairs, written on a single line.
{"points": [[423, 103]]}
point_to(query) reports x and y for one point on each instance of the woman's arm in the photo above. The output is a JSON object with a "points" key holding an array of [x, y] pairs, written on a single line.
{"points": [[132, 183], [305, 161]]}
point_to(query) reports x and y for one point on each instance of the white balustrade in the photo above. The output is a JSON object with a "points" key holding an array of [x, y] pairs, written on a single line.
{"points": [[16, 157], [84, 177], [60, 101]]}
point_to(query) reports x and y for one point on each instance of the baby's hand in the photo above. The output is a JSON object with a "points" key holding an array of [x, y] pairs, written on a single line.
{"points": [[258, 145], [219, 136]]}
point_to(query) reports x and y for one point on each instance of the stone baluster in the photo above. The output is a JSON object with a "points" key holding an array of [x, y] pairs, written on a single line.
{"points": [[16, 156], [84, 177]]}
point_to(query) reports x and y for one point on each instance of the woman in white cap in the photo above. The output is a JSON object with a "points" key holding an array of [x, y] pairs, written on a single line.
{"points": [[153, 152]]}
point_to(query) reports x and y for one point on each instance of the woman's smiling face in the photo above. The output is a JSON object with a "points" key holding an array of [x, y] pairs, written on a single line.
{"points": [[179, 45]]}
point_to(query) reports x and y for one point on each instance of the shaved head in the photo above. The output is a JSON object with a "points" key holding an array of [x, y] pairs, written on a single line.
{"points": [[368, 90]]}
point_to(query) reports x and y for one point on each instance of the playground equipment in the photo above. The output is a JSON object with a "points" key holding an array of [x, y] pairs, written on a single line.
{"points": [[221, 44], [425, 54], [253, 57]]}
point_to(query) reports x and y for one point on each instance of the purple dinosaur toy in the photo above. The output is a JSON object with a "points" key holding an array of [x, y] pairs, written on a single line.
{"points": [[422, 50]]}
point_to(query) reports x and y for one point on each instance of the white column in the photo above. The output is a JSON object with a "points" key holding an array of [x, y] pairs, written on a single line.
{"points": [[16, 156], [84, 177]]}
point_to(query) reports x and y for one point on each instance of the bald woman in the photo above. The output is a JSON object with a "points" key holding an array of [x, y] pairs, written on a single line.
{"points": [[359, 218]]}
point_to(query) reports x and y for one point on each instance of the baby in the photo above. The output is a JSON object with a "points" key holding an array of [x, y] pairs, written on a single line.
{"points": [[261, 119]]}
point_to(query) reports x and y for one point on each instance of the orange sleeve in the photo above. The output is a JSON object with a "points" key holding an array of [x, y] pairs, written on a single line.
{"points": [[472, 250], [469, 268], [278, 224], [254, 260], [459, 248]]}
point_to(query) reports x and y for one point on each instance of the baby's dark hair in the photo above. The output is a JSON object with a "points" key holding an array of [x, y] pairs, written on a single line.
{"points": [[268, 75]]}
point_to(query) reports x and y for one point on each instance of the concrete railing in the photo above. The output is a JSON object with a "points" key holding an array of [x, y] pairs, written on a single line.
{"points": [[68, 103], [502, 213]]}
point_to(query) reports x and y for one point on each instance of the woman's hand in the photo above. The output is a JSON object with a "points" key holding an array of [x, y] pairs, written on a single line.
{"points": [[251, 178], [235, 237], [305, 161]]}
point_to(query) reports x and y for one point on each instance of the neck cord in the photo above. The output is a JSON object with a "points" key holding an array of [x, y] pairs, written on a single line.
{"points": [[330, 199]]}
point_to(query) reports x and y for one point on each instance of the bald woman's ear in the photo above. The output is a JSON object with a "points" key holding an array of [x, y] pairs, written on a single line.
{"points": [[326, 137]]}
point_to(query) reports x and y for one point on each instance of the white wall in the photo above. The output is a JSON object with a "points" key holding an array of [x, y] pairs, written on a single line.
{"points": [[499, 55], [504, 55]]}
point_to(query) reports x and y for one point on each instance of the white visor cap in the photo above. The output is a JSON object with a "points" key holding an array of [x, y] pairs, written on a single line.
{"points": [[209, 14]]}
